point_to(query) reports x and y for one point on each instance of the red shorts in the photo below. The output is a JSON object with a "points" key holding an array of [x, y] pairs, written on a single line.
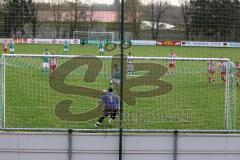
{"points": [[53, 67], [4, 50], [223, 74], [170, 65]]}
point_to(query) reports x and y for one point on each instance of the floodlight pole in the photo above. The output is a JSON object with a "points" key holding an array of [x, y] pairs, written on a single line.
{"points": [[121, 82]]}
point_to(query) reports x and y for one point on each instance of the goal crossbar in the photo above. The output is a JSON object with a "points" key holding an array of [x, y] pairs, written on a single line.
{"points": [[110, 57], [90, 34]]}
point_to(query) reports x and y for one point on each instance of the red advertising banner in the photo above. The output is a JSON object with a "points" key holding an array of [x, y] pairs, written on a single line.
{"points": [[168, 43], [20, 40]]}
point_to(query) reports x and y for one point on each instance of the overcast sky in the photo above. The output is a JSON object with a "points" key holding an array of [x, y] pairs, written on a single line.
{"points": [[173, 2]]}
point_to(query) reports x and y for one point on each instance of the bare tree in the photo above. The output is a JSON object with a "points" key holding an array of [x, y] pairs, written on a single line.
{"points": [[32, 15], [1, 11], [2, 15], [134, 15], [157, 9], [91, 16], [117, 8], [186, 14], [57, 12], [16, 14], [78, 13]]}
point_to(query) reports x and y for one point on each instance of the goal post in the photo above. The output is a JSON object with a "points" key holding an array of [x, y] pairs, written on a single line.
{"points": [[230, 97], [153, 98], [2, 92], [90, 35]]}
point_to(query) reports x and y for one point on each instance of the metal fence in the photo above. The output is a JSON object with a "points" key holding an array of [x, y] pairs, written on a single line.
{"points": [[195, 20]]}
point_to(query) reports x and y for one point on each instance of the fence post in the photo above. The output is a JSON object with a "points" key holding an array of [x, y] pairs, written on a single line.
{"points": [[121, 82], [70, 131], [175, 144]]}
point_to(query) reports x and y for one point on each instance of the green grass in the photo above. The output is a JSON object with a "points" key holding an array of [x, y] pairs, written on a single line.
{"points": [[192, 104]]}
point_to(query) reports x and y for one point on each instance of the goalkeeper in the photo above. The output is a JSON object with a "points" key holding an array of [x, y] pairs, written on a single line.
{"points": [[109, 101], [83, 41]]}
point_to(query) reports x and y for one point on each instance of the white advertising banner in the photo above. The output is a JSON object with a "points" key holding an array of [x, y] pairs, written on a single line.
{"points": [[143, 43], [233, 44], [52, 41], [203, 44], [133, 42]]}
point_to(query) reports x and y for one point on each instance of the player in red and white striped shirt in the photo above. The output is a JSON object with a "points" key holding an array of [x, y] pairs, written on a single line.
{"points": [[237, 71], [4, 46], [211, 71], [222, 66], [53, 64], [171, 62]]}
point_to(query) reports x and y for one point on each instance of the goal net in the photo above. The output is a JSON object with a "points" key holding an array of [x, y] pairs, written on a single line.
{"points": [[153, 98], [89, 35]]}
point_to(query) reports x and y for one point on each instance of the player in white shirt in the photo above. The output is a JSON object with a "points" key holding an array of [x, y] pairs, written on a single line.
{"points": [[171, 62], [237, 71], [211, 71], [130, 67]]}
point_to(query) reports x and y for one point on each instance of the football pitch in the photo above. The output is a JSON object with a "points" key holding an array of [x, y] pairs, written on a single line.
{"points": [[191, 103]]}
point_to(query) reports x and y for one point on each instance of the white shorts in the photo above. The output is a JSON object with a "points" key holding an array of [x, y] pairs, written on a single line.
{"points": [[65, 49], [45, 65], [101, 50], [115, 81], [130, 67], [11, 49]]}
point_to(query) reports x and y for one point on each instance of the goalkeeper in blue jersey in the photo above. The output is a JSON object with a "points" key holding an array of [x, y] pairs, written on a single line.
{"points": [[45, 59], [11, 47], [109, 101], [101, 46], [65, 47]]}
